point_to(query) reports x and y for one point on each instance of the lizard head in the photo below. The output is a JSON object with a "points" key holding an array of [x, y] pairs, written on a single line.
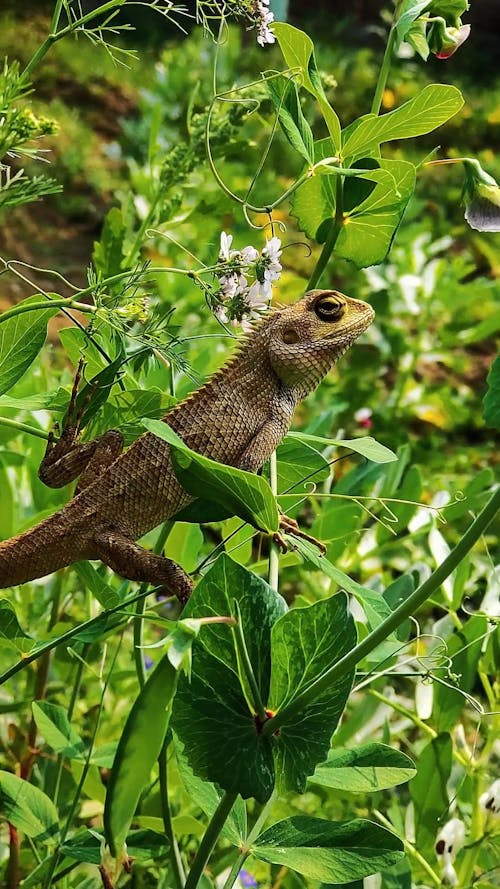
{"points": [[307, 338]]}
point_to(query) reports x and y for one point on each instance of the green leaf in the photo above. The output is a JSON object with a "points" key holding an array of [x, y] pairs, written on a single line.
{"points": [[139, 748], [298, 464], [53, 724], [11, 630], [142, 845], [241, 493], [28, 808], [92, 581], [364, 769], [298, 52], [409, 11], [368, 231], [21, 339], [428, 790], [211, 717], [329, 852], [109, 251], [305, 642], [285, 97], [367, 446], [430, 108], [491, 400], [314, 201], [207, 796], [464, 648]]}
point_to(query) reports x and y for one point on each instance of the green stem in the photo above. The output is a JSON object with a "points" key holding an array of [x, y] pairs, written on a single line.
{"points": [[384, 72], [69, 303], [274, 556], [141, 604], [402, 613], [412, 852], [177, 868], [246, 850], [56, 15], [23, 427], [209, 839], [332, 236]]}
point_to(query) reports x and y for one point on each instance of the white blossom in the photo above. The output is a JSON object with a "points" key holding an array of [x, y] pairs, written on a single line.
{"points": [[265, 34], [225, 244], [245, 285], [490, 800], [249, 254], [449, 841], [449, 874]]}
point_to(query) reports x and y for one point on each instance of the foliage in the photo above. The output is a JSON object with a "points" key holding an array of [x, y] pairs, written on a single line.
{"points": [[185, 750]]}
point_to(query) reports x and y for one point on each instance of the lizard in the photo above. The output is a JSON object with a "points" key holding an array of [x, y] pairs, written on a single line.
{"points": [[238, 417]]}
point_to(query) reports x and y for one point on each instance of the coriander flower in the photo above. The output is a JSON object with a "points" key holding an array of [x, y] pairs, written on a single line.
{"points": [[225, 244], [264, 19], [490, 801], [245, 281]]}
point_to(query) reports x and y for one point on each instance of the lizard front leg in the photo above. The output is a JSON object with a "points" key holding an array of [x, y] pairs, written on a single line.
{"points": [[130, 560]]}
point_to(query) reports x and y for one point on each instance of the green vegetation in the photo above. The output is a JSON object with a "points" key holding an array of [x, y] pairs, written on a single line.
{"points": [[307, 720]]}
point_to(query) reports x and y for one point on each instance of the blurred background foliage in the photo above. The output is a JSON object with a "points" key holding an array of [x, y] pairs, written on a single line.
{"points": [[132, 138]]}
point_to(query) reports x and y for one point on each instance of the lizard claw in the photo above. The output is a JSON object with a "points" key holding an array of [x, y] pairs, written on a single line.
{"points": [[290, 526], [280, 541]]}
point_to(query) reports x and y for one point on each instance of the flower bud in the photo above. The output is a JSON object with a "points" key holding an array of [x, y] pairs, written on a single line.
{"points": [[444, 40], [482, 198]]}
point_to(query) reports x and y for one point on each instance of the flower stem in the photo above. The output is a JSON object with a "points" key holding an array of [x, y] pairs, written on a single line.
{"points": [[23, 307], [209, 839], [400, 614], [23, 427], [384, 72]]}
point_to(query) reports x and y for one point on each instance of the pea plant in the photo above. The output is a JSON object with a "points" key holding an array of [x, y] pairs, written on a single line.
{"points": [[219, 747]]}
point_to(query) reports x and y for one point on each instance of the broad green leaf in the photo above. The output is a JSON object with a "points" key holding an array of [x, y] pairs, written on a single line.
{"points": [[464, 649], [138, 749], [326, 851], [364, 769], [298, 52], [109, 250], [367, 446], [299, 464], [92, 581], [241, 493], [53, 724], [428, 790], [207, 796], [28, 808], [368, 231], [305, 642], [42, 401], [491, 400], [211, 717], [11, 630], [432, 107], [314, 201], [125, 409], [285, 98], [21, 339]]}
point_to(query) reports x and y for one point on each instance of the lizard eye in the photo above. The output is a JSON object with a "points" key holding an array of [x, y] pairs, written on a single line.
{"points": [[328, 308]]}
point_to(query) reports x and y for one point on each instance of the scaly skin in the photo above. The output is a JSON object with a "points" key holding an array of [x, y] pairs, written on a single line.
{"points": [[238, 418]]}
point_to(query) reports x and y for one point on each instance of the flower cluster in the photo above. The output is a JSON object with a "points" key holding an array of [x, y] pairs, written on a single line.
{"points": [[264, 18], [238, 299]]}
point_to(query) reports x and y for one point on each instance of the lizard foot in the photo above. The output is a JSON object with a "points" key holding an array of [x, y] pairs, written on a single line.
{"points": [[290, 526]]}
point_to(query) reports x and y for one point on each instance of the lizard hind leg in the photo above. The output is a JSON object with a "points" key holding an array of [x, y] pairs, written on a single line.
{"points": [[130, 560]]}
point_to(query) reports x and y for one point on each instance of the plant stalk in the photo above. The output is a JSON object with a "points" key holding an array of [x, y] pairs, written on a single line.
{"points": [[178, 875], [332, 235], [210, 838], [384, 72], [402, 613]]}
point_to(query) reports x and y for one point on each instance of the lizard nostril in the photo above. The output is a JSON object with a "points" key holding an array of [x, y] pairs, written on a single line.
{"points": [[290, 336]]}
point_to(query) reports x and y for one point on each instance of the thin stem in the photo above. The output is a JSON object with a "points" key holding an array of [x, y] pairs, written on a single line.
{"points": [[209, 839], [400, 614], [141, 604], [274, 556], [178, 875], [23, 427], [23, 307], [384, 72], [412, 852], [332, 235], [246, 850]]}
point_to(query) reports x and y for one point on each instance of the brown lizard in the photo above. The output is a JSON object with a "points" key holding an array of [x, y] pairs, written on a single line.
{"points": [[238, 417]]}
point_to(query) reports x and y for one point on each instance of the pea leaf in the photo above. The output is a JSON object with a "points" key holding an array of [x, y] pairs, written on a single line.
{"points": [[207, 796], [298, 52], [329, 852], [28, 808], [53, 724], [428, 789], [285, 97], [241, 493], [306, 642], [21, 339], [367, 446], [364, 769], [409, 11], [430, 108]]}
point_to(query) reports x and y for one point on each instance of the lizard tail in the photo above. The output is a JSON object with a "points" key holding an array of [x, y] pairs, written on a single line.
{"points": [[37, 552]]}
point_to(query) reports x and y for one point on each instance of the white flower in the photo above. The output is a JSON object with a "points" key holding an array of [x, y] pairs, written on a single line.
{"points": [[449, 874], [490, 801], [450, 839], [249, 254], [221, 314], [257, 296], [225, 244], [265, 34]]}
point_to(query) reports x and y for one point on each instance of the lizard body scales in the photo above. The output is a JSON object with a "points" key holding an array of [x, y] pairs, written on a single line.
{"points": [[238, 418]]}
